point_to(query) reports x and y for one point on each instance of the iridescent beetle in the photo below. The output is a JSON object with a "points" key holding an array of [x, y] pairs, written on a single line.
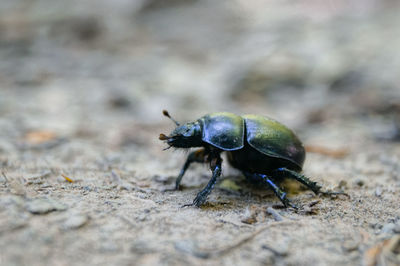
{"points": [[262, 148]]}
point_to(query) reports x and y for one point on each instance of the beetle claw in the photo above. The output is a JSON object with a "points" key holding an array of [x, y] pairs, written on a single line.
{"points": [[288, 203], [188, 205], [198, 201]]}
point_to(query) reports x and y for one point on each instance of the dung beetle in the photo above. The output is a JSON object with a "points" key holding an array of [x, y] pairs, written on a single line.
{"points": [[263, 149]]}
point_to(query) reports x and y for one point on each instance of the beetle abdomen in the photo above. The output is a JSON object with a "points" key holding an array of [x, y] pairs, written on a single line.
{"points": [[223, 130], [274, 139], [251, 160]]}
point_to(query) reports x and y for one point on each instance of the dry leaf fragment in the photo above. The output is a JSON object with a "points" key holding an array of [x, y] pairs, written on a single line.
{"points": [[40, 136], [67, 178], [335, 153]]}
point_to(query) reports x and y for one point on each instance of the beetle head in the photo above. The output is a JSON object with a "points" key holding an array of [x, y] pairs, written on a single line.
{"points": [[185, 136]]}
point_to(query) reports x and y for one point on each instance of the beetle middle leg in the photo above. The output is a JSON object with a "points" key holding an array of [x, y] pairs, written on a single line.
{"points": [[195, 156], [278, 192]]}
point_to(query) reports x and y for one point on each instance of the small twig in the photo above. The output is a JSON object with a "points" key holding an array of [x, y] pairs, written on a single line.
{"points": [[235, 224], [239, 243], [276, 252], [313, 203], [275, 214], [44, 174], [201, 253], [4, 175]]}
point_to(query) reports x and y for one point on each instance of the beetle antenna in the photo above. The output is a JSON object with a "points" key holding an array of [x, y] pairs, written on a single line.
{"points": [[165, 112]]}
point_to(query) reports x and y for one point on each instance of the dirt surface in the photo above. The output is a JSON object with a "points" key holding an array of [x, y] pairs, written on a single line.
{"points": [[84, 180]]}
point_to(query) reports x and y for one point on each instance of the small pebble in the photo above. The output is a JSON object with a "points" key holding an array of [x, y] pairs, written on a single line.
{"points": [[250, 216], [396, 229], [75, 222], [378, 191], [359, 182], [44, 205], [140, 247], [343, 184], [388, 228], [350, 245]]}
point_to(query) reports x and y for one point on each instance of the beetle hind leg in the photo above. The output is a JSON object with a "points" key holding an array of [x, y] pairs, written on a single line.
{"points": [[282, 195], [313, 186], [307, 182]]}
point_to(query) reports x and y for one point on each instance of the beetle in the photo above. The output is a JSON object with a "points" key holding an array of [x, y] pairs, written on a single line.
{"points": [[261, 148]]}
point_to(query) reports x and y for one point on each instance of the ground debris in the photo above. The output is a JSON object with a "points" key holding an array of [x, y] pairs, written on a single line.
{"points": [[37, 178], [350, 245], [386, 252], [192, 248], [116, 178], [335, 153], [278, 250], [253, 214], [68, 179], [44, 205], [311, 208], [40, 140], [275, 214], [75, 221]]}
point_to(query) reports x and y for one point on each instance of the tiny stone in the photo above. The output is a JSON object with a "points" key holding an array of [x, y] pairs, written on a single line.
{"points": [[44, 205], [388, 228], [75, 222], [140, 247], [343, 184], [142, 217], [396, 229], [378, 191], [359, 182], [350, 245], [249, 220], [375, 225]]}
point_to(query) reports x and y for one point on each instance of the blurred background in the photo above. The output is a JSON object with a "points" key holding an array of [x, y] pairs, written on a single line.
{"points": [[83, 85], [77, 65]]}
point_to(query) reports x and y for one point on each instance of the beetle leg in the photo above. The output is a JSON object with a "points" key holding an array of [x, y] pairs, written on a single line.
{"points": [[195, 156], [300, 178], [308, 183], [216, 172], [278, 192]]}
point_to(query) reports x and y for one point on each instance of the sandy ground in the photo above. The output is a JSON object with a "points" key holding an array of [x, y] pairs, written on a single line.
{"points": [[83, 176]]}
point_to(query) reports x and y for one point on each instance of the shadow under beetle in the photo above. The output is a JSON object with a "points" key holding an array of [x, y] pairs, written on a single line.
{"points": [[262, 148]]}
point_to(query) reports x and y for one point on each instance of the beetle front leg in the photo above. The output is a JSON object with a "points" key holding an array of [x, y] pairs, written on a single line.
{"points": [[216, 172], [195, 156]]}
